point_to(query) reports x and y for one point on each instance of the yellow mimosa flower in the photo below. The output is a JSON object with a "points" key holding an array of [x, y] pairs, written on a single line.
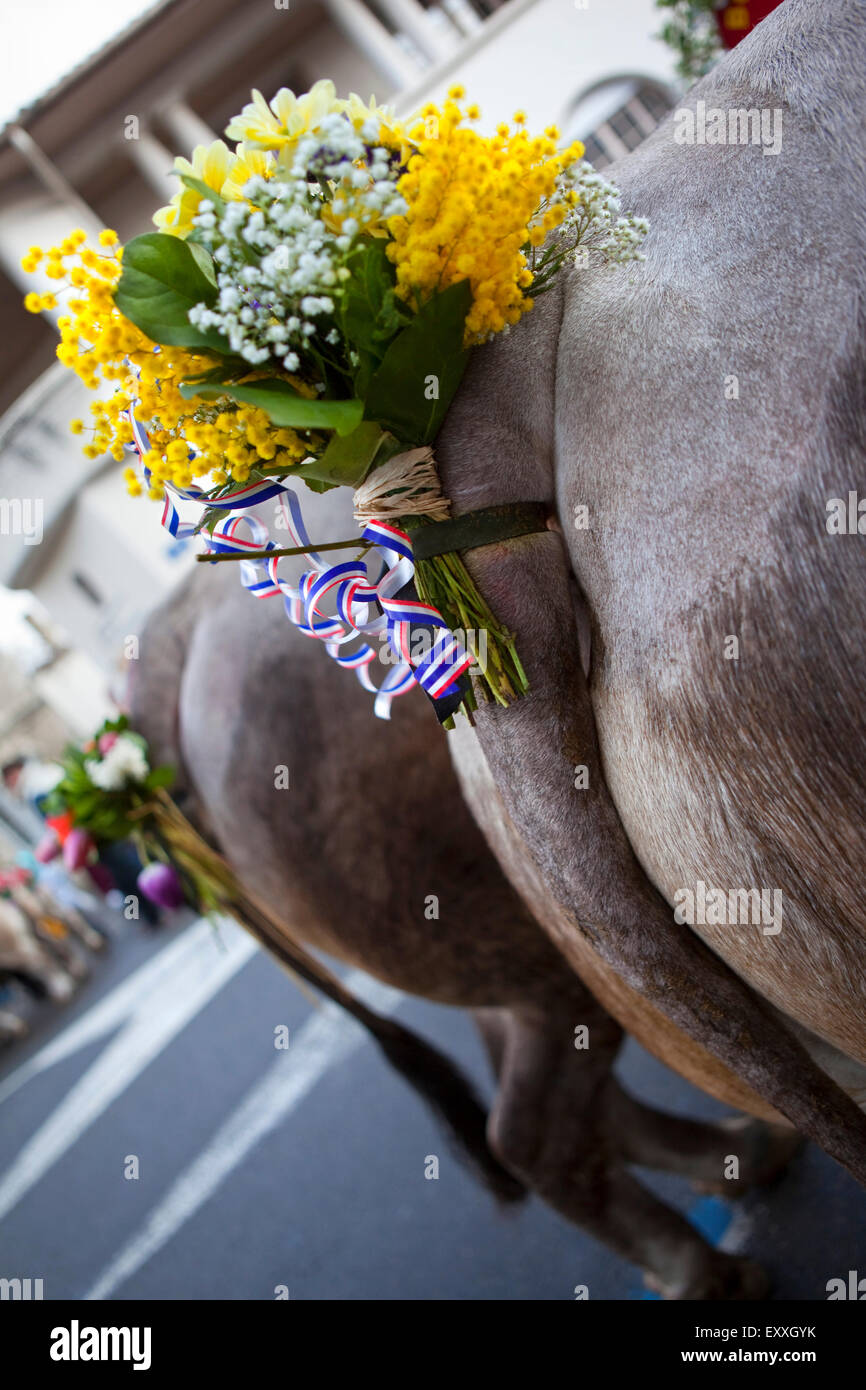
{"points": [[472, 203]]}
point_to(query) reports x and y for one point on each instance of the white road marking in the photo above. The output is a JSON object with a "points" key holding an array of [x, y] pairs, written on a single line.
{"points": [[149, 1008], [201, 937], [325, 1040]]}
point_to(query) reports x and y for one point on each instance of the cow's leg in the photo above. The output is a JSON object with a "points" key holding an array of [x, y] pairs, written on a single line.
{"points": [[697, 1149], [549, 1125]]}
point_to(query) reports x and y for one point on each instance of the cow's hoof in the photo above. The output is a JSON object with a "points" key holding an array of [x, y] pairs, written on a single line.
{"points": [[763, 1152], [732, 1278]]}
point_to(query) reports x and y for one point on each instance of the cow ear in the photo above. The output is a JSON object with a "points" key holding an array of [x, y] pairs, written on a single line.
{"points": [[577, 844]]}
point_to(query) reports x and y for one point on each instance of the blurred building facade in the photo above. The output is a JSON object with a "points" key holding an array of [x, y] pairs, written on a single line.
{"points": [[98, 149]]}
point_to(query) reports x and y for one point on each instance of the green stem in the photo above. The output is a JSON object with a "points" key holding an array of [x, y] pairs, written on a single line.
{"points": [[445, 582], [206, 558]]}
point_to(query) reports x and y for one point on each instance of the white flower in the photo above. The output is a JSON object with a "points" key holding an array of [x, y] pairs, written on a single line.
{"points": [[297, 237], [593, 224], [124, 762], [279, 124]]}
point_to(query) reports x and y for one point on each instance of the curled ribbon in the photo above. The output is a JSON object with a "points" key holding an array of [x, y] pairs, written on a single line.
{"points": [[364, 609]]}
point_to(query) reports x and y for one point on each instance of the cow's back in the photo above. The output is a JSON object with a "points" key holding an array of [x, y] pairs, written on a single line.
{"points": [[711, 402]]}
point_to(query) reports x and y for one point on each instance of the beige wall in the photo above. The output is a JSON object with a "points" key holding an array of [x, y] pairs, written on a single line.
{"points": [[542, 55]]}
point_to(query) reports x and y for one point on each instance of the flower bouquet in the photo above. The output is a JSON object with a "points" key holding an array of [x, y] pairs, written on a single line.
{"points": [[305, 312], [109, 791]]}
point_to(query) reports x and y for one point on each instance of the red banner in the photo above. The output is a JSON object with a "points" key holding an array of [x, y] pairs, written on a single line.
{"points": [[736, 21]]}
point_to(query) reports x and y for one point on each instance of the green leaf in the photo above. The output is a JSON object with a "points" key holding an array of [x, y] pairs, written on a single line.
{"points": [[427, 355], [210, 519], [86, 805], [163, 278], [316, 486], [113, 726], [199, 186], [161, 776], [204, 260], [108, 824], [285, 406], [216, 374], [347, 459], [369, 314]]}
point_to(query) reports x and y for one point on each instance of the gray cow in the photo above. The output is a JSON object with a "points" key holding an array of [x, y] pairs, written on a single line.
{"points": [[712, 763], [736, 765], [373, 824]]}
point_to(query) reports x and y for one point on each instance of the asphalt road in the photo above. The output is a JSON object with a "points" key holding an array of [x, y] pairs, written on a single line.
{"points": [[261, 1168]]}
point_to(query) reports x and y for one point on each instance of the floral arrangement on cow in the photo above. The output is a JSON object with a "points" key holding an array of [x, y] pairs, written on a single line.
{"points": [[305, 314], [108, 791]]}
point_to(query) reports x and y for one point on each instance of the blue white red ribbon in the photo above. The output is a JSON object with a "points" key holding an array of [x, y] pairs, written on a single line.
{"points": [[364, 610]]}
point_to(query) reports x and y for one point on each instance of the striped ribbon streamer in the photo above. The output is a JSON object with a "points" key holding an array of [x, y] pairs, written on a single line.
{"points": [[365, 610]]}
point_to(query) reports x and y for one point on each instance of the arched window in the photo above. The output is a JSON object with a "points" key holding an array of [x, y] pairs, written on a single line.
{"points": [[615, 115]]}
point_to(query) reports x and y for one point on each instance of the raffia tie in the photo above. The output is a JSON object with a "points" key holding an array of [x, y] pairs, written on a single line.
{"points": [[407, 485]]}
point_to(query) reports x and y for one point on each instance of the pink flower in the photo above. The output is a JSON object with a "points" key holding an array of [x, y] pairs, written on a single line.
{"points": [[77, 849], [101, 877], [48, 848], [106, 742]]}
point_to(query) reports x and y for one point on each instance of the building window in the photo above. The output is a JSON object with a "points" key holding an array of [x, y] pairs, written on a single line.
{"points": [[616, 115]]}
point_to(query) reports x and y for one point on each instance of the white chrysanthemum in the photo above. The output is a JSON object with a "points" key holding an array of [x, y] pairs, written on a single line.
{"points": [[124, 762]]}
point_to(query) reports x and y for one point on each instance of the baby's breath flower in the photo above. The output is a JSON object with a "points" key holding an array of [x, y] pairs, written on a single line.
{"points": [[588, 222], [275, 308]]}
